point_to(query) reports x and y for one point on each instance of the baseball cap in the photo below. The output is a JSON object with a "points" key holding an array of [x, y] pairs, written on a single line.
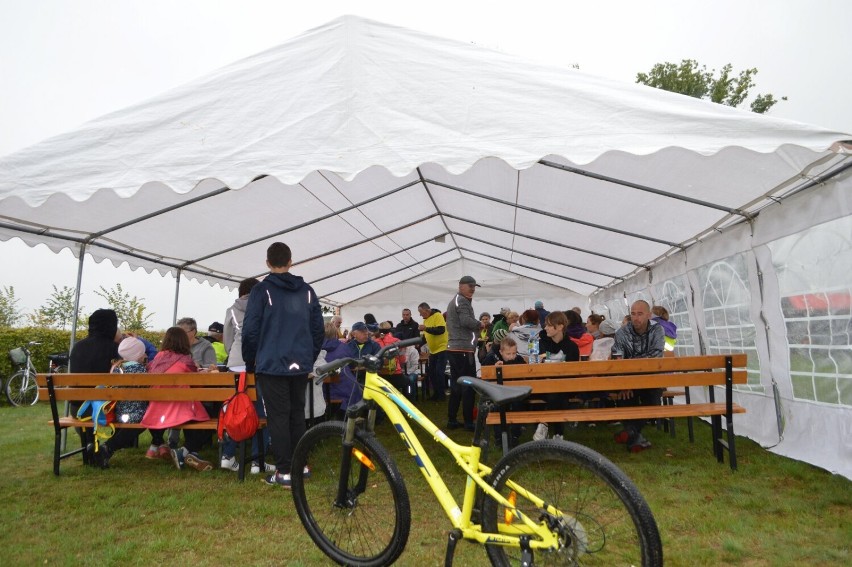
{"points": [[469, 280], [359, 326], [216, 327]]}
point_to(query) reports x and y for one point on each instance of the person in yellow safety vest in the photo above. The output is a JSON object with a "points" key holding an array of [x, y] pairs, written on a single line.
{"points": [[214, 336], [661, 316]]}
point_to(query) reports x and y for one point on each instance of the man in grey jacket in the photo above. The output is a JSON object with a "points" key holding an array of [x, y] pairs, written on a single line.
{"points": [[463, 328], [641, 338]]}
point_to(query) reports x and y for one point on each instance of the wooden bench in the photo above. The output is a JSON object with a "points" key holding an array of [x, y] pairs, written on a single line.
{"points": [[204, 387], [614, 375]]}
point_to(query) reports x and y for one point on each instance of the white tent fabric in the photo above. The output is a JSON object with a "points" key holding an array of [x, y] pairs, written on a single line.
{"points": [[386, 156]]}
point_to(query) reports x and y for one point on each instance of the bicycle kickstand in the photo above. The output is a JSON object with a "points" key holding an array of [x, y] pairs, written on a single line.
{"points": [[452, 540]]}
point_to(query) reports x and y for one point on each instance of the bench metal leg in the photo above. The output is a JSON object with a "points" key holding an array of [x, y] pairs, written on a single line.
{"points": [[732, 448]]}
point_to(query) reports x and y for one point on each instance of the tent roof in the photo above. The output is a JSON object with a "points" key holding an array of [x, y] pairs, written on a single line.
{"points": [[380, 153]]}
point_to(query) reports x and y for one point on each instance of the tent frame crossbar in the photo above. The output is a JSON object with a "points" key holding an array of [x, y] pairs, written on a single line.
{"points": [[544, 240], [374, 260], [530, 255], [563, 218], [644, 188], [386, 274], [513, 263]]}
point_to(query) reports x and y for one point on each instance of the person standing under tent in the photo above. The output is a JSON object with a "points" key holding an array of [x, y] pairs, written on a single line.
{"points": [[463, 328], [283, 332], [434, 330]]}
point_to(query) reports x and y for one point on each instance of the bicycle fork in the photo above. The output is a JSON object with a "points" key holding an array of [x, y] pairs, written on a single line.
{"points": [[347, 497]]}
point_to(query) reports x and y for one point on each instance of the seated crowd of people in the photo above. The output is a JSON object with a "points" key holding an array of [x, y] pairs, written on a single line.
{"points": [[534, 335]]}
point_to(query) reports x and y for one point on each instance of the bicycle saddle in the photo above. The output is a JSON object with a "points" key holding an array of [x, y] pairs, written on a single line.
{"points": [[495, 392]]}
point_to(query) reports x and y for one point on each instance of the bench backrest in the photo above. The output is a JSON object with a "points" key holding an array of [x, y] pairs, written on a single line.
{"points": [[204, 386], [634, 373]]}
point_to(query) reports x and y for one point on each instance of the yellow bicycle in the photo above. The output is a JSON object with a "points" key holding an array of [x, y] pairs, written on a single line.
{"points": [[545, 502]]}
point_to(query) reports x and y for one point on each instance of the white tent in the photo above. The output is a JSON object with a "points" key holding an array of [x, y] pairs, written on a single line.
{"points": [[393, 162]]}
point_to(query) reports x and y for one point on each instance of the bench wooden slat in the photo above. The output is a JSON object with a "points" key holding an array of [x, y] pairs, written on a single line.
{"points": [[146, 394], [605, 367], [614, 414], [621, 382], [208, 424], [225, 379]]}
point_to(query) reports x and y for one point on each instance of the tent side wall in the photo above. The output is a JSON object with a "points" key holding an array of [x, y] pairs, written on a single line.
{"points": [[780, 289]]}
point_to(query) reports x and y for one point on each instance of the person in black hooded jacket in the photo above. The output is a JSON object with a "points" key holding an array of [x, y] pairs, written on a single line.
{"points": [[95, 353], [283, 333]]}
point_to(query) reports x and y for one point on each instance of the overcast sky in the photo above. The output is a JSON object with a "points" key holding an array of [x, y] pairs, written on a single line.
{"points": [[64, 62]]}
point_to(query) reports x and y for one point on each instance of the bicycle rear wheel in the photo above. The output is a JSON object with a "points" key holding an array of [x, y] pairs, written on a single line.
{"points": [[604, 520], [372, 527], [21, 388]]}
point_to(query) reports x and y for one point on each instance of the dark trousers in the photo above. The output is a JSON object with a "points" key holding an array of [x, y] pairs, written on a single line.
{"points": [[437, 374], [461, 364], [647, 397], [284, 398], [123, 438]]}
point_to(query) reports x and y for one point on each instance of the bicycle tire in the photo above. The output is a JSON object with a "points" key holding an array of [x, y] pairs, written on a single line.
{"points": [[374, 530], [605, 520], [21, 388]]}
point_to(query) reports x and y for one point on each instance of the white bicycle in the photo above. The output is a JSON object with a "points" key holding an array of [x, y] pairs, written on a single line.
{"points": [[21, 388]]}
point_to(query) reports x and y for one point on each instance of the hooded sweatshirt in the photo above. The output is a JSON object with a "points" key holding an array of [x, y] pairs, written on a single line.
{"points": [[96, 352], [232, 335], [283, 329]]}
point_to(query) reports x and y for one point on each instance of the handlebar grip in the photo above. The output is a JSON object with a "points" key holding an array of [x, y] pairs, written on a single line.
{"points": [[416, 341], [328, 367]]}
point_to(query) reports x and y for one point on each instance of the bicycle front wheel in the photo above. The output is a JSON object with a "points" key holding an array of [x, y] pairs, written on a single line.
{"points": [[372, 526], [602, 519], [21, 388]]}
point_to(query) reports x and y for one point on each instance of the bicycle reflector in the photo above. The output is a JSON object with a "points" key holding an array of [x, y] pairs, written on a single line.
{"points": [[363, 459], [509, 512]]}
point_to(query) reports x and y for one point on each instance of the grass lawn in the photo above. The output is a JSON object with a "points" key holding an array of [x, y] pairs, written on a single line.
{"points": [[773, 511]]}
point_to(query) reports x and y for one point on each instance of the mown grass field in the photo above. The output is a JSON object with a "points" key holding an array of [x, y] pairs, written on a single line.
{"points": [[773, 511]]}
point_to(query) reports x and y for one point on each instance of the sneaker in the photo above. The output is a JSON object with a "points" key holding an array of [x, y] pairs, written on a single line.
{"points": [[638, 444], [267, 466], [558, 437], [278, 479], [178, 456], [453, 425], [164, 452], [230, 464], [540, 432], [196, 462], [622, 437], [306, 472], [153, 452], [469, 427]]}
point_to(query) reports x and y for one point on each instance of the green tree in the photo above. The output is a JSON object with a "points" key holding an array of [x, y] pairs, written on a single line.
{"points": [[692, 79], [10, 314], [130, 310], [58, 311]]}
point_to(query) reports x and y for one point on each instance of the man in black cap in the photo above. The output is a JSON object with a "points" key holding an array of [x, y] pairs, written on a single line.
{"points": [[463, 328], [214, 337]]}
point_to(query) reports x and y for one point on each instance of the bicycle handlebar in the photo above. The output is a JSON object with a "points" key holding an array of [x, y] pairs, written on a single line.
{"points": [[392, 349]]}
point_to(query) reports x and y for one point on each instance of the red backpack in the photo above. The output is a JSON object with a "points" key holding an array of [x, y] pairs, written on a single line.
{"points": [[238, 416]]}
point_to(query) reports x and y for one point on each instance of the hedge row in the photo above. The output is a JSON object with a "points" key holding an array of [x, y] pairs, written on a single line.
{"points": [[51, 340]]}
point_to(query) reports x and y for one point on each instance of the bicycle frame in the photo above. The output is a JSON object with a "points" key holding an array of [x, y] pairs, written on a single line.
{"points": [[537, 535]]}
